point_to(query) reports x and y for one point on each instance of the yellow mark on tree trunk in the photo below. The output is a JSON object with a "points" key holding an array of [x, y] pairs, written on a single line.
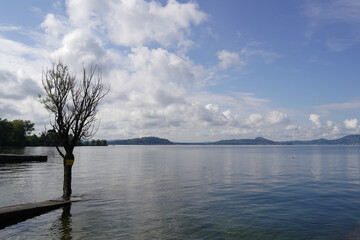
{"points": [[69, 162]]}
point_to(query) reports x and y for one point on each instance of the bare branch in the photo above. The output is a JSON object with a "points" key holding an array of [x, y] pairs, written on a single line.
{"points": [[59, 151], [74, 105]]}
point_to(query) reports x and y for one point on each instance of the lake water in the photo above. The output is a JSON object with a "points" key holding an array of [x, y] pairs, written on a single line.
{"points": [[192, 192]]}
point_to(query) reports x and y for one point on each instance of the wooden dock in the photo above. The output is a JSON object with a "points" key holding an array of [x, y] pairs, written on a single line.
{"points": [[16, 158], [14, 214]]}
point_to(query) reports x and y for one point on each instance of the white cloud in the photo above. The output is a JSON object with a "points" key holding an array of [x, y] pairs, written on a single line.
{"points": [[263, 121], [351, 123], [18, 96], [156, 88], [316, 120], [18, 58], [153, 88], [253, 120], [277, 117], [9, 28], [17, 87], [55, 28], [329, 123], [228, 59], [137, 22], [80, 48]]}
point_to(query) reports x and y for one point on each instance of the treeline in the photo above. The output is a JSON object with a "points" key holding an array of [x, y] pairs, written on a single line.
{"points": [[49, 138], [93, 142], [46, 138], [17, 133]]}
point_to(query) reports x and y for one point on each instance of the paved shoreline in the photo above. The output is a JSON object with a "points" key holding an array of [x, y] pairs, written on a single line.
{"points": [[14, 214]]}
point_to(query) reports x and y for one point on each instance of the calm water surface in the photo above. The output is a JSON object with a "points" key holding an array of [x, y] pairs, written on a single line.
{"points": [[192, 192]]}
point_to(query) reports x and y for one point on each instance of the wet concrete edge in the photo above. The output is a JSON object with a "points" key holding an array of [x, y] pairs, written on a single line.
{"points": [[11, 215]]}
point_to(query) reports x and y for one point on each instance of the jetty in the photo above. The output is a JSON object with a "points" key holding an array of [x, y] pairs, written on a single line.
{"points": [[18, 158], [14, 214]]}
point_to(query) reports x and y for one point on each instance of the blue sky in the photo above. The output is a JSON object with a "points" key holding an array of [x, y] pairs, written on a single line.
{"points": [[193, 70]]}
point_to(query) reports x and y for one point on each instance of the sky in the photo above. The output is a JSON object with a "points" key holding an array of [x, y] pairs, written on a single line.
{"points": [[190, 71]]}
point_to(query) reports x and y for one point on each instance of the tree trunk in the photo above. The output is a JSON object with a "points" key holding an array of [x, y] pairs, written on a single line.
{"points": [[68, 162]]}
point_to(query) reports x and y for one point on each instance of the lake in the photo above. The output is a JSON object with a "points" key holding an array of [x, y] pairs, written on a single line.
{"points": [[191, 192]]}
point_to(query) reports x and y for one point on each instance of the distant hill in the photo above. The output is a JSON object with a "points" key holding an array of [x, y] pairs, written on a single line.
{"points": [[347, 140], [256, 141], [141, 141]]}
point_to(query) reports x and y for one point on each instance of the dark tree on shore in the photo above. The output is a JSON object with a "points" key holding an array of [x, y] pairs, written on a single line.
{"points": [[14, 133], [74, 105]]}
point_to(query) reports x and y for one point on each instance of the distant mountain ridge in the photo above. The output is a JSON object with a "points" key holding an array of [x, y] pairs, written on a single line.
{"points": [[347, 140], [141, 141], [256, 141]]}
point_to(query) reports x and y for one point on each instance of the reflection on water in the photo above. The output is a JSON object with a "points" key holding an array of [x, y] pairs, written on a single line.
{"points": [[61, 228], [196, 192]]}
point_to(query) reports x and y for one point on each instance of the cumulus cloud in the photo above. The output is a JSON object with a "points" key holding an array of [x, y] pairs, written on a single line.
{"points": [[330, 130], [15, 56], [156, 87], [253, 120], [329, 123], [265, 120], [55, 28], [80, 48], [277, 117], [153, 87], [137, 22], [16, 87], [351, 123], [314, 118]]}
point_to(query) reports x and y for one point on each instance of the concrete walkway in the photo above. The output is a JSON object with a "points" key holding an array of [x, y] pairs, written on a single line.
{"points": [[16, 158], [14, 214]]}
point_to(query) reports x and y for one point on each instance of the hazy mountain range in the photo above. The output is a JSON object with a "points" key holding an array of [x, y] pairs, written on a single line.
{"points": [[347, 140]]}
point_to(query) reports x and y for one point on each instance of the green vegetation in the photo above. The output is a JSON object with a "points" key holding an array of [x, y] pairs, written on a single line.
{"points": [[14, 133], [46, 138], [96, 142], [17, 133]]}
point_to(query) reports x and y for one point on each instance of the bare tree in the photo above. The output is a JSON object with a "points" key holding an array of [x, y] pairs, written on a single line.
{"points": [[74, 106]]}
